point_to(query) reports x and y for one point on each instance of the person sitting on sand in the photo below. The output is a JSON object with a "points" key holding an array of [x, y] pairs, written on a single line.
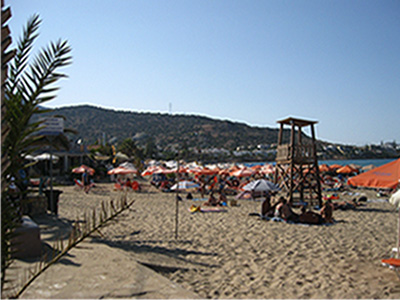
{"points": [[222, 198], [128, 183], [284, 211], [267, 210], [277, 212], [212, 201], [327, 211], [165, 186], [136, 186], [309, 217], [266, 207], [202, 188]]}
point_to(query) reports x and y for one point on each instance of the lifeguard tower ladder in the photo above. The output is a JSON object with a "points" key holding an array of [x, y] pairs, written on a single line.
{"points": [[297, 169]]}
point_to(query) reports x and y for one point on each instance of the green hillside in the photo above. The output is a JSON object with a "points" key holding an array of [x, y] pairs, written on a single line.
{"points": [[194, 131]]}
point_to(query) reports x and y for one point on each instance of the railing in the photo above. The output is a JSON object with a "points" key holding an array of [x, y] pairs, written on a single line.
{"points": [[302, 153], [283, 152]]}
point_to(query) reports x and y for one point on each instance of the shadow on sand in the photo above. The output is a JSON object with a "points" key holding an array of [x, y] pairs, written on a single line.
{"points": [[163, 259]]}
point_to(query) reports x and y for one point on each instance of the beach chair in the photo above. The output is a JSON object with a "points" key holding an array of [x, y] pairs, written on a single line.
{"points": [[117, 186], [78, 184], [393, 262], [135, 186]]}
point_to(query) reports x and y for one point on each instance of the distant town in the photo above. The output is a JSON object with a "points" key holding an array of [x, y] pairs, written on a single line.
{"points": [[267, 153]]}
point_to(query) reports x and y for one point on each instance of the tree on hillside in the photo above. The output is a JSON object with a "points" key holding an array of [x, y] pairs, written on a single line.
{"points": [[150, 150], [129, 147], [27, 86]]}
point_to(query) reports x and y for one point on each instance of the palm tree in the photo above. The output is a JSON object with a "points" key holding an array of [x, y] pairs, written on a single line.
{"points": [[7, 224], [27, 86]]}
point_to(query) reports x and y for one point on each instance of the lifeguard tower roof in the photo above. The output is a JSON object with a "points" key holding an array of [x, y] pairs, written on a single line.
{"points": [[297, 122]]}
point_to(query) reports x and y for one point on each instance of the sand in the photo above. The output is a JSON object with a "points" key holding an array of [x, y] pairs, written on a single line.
{"points": [[219, 255]]}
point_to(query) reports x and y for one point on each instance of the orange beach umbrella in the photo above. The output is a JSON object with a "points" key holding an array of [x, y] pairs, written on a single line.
{"points": [[324, 168], [346, 170], [243, 172], [386, 176], [335, 167]]}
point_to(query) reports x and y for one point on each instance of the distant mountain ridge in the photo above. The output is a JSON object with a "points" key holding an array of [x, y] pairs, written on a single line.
{"points": [[166, 129]]}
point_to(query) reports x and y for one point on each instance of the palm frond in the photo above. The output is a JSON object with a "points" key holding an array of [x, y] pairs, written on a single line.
{"points": [[43, 71], [24, 47]]}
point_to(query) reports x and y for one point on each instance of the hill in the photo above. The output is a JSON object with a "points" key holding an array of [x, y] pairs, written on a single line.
{"points": [[165, 129], [190, 133]]}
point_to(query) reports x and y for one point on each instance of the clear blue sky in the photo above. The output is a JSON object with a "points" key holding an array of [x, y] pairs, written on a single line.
{"points": [[337, 62]]}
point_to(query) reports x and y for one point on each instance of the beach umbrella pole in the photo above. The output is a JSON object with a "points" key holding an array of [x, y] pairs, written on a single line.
{"points": [[52, 208], [177, 203], [176, 215]]}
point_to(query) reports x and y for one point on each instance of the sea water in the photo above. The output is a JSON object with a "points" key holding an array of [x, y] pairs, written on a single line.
{"points": [[360, 162], [343, 162]]}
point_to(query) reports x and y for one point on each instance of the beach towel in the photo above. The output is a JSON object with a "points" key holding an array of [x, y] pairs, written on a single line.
{"points": [[377, 200], [213, 209], [277, 219], [195, 208], [199, 199]]}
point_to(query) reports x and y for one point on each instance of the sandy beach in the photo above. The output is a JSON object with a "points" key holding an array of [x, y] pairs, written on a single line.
{"points": [[219, 255]]}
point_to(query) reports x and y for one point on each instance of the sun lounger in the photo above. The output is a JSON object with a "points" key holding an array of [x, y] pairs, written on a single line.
{"points": [[393, 262], [78, 184]]}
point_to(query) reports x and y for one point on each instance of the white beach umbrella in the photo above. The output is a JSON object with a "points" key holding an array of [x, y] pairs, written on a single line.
{"points": [[184, 185], [46, 156], [82, 169], [149, 170], [261, 185], [128, 165], [243, 172], [122, 171]]}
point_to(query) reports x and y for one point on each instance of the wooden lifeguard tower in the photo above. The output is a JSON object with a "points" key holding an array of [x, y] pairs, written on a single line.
{"points": [[297, 169]]}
